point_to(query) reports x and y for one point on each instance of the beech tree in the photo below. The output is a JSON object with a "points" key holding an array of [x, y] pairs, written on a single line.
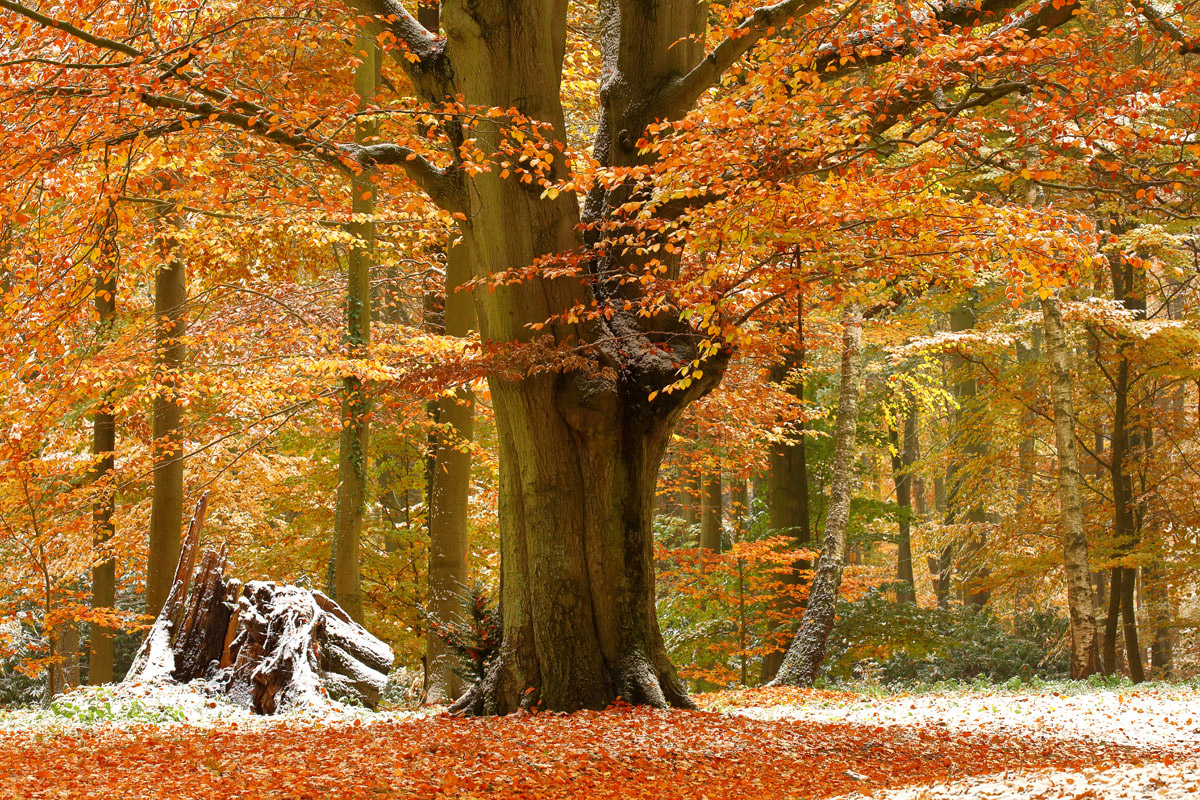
{"points": [[562, 244]]}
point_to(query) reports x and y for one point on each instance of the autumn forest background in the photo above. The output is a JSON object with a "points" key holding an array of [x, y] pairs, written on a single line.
{"points": [[622, 351]]}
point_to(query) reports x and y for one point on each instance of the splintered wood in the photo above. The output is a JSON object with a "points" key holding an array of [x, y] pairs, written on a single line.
{"points": [[268, 647]]}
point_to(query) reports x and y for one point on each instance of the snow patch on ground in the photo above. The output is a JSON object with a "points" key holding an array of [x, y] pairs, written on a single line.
{"points": [[1159, 781], [1160, 718], [195, 704]]}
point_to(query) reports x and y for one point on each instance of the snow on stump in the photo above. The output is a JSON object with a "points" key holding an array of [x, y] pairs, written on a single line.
{"points": [[268, 647]]}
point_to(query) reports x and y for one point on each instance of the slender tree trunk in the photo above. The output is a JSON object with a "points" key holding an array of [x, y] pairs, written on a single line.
{"points": [[1133, 650], [970, 447], [1085, 654], [65, 675], [941, 564], [1158, 602], [450, 491], [689, 499], [345, 567], [104, 445], [1112, 620], [166, 506], [710, 519], [903, 456], [804, 657], [788, 489], [739, 505], [1124, 440]]}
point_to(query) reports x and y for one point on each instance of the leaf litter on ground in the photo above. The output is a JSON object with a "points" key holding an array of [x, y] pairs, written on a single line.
{"points": [[619, 753]]}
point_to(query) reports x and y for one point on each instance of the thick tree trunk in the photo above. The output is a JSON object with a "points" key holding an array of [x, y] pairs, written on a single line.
{"points": [[104, 445], [450, 491], [580, 450], [1085, 654], [166, 506], [577, 571], [903, 456], [345, 569], [804, 657], [711, 518]]}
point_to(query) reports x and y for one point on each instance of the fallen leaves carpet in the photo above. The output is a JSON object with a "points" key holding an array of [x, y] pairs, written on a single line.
{"points": [[620, 753]]}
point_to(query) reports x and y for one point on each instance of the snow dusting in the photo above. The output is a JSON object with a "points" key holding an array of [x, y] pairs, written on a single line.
{"points": [[1161, 718]]}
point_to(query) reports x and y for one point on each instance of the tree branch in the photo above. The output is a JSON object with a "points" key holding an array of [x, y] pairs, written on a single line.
{"points": [[392, 15], [77, 32], [1158, 20], [704, 75], [879, 44], [442, 186], [428, 73]]}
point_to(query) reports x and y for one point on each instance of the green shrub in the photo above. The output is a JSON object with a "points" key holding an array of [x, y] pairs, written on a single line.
{"points": [[898, 643]]}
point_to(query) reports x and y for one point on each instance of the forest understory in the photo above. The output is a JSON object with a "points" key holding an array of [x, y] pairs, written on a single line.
{"points": [[1061, 741]]}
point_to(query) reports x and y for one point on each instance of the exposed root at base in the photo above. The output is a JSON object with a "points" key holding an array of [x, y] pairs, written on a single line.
{"points": [[635, 681]]}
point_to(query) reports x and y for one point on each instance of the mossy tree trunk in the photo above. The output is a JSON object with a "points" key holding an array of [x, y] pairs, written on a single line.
{"points": [[579, 450]]}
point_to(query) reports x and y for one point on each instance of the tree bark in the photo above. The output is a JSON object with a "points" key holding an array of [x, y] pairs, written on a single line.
{"points": [[450, 491], [345, 568], [807, 652], [64, 676], [104, 445], [711, 518], [166, 506], [1085, 653]]}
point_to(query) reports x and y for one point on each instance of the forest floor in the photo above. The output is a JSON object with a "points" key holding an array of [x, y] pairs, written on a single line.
{"points": [[1050, 743]]}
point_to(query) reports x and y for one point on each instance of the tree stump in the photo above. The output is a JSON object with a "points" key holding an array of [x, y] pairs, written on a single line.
{"points": [[266, 646]]}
